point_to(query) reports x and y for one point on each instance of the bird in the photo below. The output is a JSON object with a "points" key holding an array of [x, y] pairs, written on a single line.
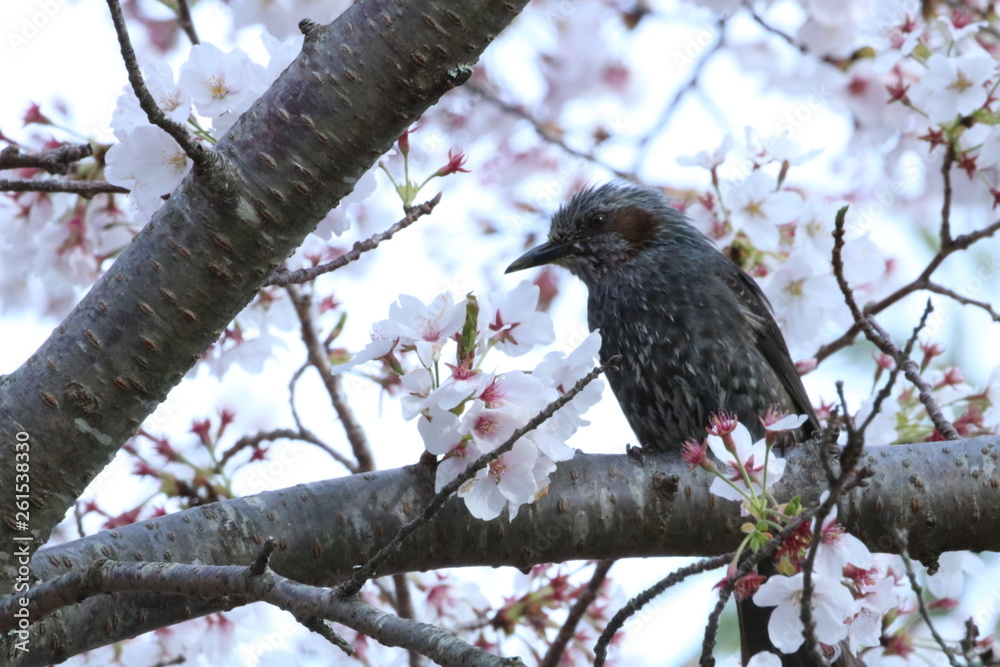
{"points": [[694, 335]]}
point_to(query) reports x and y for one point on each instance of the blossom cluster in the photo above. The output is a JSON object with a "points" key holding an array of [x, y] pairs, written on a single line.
{"points": [[211, 91], [859, 600], [464, 410]]}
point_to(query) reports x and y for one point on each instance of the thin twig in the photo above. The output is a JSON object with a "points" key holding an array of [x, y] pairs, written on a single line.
{"points": [[894, 373], [949, 159], [83, 188], [319, 359], [368, 570], [544, 132], [302, 434], [921, 282], [54, 161], [291, 394], [587, 596], [643, 598], [185, 21], [283, 277], [643, 146], [878, 336], [323, 629], [901, 541], [912, 372], [191, 147], [848, 461], [259, 565], [748, 563], [964, 300]]}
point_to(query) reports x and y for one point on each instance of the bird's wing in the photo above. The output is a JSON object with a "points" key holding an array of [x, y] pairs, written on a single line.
{"points": [[770, 342]]}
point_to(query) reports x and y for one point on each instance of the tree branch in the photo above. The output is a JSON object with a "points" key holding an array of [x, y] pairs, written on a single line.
{"points": [[878, 336], [53, 160], [283, 277], [333, 522], [921, 282], [587, 596], [544, 132], [203, 159], [320, 360], [252, 584], [83, 188]]}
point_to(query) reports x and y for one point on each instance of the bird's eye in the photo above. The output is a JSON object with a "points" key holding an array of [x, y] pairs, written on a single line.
{"points": [[597, 220]]}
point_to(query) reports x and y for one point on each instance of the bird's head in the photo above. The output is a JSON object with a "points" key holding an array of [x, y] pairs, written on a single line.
{"points": [[600, 230]]}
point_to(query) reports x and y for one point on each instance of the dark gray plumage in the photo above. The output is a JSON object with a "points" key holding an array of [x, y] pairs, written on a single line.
{"points": [[695, 333]]}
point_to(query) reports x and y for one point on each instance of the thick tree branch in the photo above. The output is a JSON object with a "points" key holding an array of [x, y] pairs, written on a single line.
{"points": [[217, 582], [619, 509]]}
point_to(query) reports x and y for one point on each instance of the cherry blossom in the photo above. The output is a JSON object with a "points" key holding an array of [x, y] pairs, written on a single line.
{"points": [[756, 209], [419, 383], [741, 458], [708, 159], [512, 323], [172, 100], [376, 349], [564, 371], [442, 434], [839, 548], [954, 85], [149, 162], [507, 480], [764, 659], [802, 294], [221, 84], [832, 605], [865, 629], [949, 581], [427, 327]]}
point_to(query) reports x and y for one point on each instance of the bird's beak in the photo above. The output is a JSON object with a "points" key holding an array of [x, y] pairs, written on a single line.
{"points": [[547, 253]]}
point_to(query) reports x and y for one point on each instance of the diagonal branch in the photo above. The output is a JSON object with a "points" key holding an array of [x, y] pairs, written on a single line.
{"points": [[192, 148], [964, 300], [319, 360], [287, 434], [643, 598], [256, 583], [283, 277], [544, 132], [558, 647], [921, 282]]}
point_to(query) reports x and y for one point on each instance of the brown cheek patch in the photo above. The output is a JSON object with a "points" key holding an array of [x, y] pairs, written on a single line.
{"points": [[636, 225]]}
